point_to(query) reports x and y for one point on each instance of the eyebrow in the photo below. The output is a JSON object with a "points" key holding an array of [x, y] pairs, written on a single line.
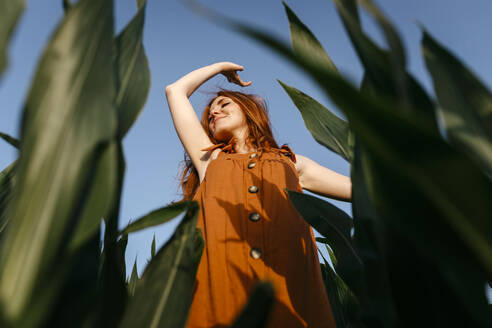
{"points": [[218, 103]]}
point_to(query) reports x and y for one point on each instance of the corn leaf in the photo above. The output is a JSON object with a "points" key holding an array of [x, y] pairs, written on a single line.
{"points": [[164, 293], [466, 103], [369, 236], [376, 61], [156, 217], [67, 4], [133, 79], [303, 38], [113, 293], [76, 302], [133, 279], [255, 313], [7, 182], [384, 69], [344, 304], [332, 256], [133, 72], [10, 11], [325, 127], [100, 197], [397, 51], [152, 248], [11, 140], [67, 122], [310, 207], [335, 225]]}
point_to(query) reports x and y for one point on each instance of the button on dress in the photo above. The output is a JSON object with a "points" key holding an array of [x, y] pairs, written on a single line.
{"points": [[253, 232]]}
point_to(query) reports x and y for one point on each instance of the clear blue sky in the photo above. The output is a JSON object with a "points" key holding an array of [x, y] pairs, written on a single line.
{"points": [[178, 41]]}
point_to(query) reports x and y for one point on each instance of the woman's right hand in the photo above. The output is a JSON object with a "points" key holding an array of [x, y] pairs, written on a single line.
{"points": [[229, 70]]}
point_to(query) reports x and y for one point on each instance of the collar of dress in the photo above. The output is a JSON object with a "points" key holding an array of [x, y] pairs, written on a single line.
{"points": [[229, 148]]}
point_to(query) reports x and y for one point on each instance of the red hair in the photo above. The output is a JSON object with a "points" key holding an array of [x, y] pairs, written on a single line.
{"points": [[259, 127]]}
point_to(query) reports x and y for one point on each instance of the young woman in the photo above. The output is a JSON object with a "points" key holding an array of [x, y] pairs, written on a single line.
{"points": [[238, 174]]}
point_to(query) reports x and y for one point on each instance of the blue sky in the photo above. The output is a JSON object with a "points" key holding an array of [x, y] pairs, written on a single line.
{"points": [[178, 41]]}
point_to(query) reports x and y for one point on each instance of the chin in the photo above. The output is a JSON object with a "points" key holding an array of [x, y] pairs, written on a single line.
{"points": [[222, 136]]}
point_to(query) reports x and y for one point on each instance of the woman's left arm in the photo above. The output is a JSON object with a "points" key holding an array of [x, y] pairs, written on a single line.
{"points": [[323, 181]]}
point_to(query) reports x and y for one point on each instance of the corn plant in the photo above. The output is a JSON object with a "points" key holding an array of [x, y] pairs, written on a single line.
{"points": [[88, 90], [421, 252]]}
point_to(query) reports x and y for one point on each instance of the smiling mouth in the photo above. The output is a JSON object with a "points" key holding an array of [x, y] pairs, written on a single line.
{"points": [[218, 118]]}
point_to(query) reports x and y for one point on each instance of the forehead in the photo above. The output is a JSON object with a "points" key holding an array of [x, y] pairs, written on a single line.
{"points": [[218, 100]]}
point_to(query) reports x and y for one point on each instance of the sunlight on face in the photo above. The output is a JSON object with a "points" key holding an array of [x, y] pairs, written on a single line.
{"points": [[226, 119]]}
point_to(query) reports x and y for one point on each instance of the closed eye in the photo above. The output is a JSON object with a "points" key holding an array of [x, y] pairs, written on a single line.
{"points": [[225, 105]]}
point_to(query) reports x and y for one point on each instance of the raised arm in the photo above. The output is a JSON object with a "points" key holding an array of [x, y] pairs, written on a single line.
{"points": [[323, 181], [186, 122]]}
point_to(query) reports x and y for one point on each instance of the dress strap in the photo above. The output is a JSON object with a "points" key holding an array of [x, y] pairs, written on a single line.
{"points": [[227, 148], [288, 152]]}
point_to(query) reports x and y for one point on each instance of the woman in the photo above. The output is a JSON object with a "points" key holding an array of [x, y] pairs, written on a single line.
{"points": [[238, 174]]}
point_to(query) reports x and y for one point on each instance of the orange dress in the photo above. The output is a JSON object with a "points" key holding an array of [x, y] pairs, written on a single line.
{"points": [[253, 232]]}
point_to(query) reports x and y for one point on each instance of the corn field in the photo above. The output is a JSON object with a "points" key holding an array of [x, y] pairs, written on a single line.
{"points": [[421, 249]]}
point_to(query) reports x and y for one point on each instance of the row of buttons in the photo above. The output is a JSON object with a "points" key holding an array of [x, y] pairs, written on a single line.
{"points": [[255, 217]]}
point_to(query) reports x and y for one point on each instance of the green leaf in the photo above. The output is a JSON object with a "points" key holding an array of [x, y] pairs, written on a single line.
{"points": [[164, 293], [133, 85], [465, 102], [159, 216], [311, 207], [369, 236], [343, 302], [133, 72], [76, 301], [100, 197], [325, 127], [152, 248], [113, 295], [335, 225], [11, 11], [12, 141], [376, 62], [397, 51], [140, 3], [256, 312], [333, 258], [67, 121], [384, 69], [113, 292], [67, 5], [133, 279], [303, 38], [112, 219], [7, 182]]}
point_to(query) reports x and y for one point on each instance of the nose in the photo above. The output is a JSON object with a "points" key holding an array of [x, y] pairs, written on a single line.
{"points": [[214, 111]]}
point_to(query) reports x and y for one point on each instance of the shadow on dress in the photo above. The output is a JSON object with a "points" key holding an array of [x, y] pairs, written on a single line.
{"points": [[297, 244]]}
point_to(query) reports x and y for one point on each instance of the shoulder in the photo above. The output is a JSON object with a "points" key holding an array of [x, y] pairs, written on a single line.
{"points": [[209, 157], [301, 163]]}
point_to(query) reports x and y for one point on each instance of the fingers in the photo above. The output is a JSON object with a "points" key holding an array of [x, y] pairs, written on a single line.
{"points": [[233, 77], [242, 83]]}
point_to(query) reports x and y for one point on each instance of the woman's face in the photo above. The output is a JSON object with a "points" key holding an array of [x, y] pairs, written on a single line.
{"points": [[226, 119]]}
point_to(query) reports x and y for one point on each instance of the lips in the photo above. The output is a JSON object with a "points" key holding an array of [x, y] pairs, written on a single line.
{"points": [[218, 118]]}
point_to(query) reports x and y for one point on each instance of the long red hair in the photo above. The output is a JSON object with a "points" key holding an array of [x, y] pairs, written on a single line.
{"points": [[259, 127]]}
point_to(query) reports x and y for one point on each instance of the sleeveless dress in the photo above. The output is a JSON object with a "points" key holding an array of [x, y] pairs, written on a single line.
{"points": [[253, 232]]}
